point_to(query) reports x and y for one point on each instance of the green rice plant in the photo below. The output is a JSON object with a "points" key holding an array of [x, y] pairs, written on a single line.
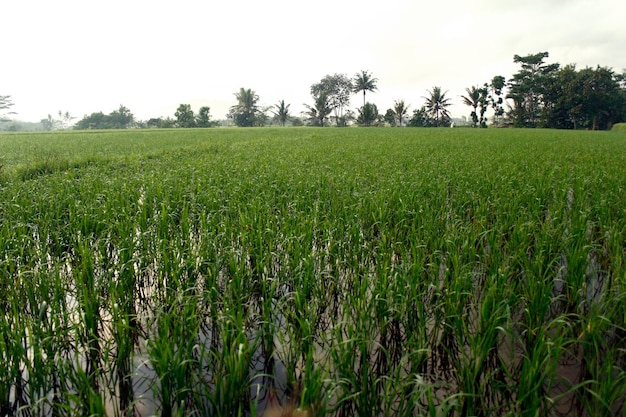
{"points": [[172, 357], [379, 272], [12, 383], [230, 366], [124, 328]]}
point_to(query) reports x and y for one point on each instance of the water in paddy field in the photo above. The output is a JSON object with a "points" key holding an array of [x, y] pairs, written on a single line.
{"points": [[266, 375]]}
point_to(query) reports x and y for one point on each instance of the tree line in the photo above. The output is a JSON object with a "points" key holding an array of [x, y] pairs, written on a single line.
{"points": [[539, 94]]}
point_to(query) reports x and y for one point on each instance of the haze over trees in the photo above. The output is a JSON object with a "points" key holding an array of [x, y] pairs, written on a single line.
{"points": [[61, 122], [539, 94]]}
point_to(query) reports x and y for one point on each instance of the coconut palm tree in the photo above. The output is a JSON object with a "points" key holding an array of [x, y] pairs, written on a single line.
{"points": [[472, 99], [244, 113], [282, 112], [436, 106], [318, 112], [364, 81], [401, 110]]}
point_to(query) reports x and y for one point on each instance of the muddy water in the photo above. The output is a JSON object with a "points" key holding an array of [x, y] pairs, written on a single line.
{"points": [[268, 375]]}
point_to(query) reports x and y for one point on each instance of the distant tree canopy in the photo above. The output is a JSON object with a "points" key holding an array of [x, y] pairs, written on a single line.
{"points": [[185, 117], [281, 114], [316, 114], [246, 113], [400, 109], [437, 107], [421, 118], [203, 118], [337, 89], [585, 99], [539, 94], [368, 115], [546, 95], [122, 118], [63, 121], [528, 87]]}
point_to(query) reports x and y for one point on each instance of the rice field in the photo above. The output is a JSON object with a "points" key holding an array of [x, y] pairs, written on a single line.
{"points": [[313, 272]]}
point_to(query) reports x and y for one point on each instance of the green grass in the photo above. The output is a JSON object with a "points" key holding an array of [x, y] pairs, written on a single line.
{"points": [[343, 271], [619, 127]]}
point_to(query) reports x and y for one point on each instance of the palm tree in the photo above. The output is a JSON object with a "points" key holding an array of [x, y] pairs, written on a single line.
{"points": [[282, 112], [364, 81], [473, 100], [401, 110], [436, 106], [320, 110], [245, 111]]}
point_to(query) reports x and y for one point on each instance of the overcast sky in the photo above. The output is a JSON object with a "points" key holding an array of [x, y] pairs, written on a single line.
{"points": [[84, 56]]}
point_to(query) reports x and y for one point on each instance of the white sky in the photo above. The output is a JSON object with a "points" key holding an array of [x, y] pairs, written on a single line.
{"points": [[84, 56]]}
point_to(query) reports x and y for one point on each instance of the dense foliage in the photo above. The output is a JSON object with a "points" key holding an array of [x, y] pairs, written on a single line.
{"points": [[545, 95], [363, 272], [121, 118]]}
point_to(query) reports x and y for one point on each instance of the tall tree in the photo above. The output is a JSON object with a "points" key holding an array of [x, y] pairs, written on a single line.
{"points": [[401, 110], [337, 89], [483, 105], [527, 87], [185, 117], [122, 118], [563, 98], [602, 100], [472, 99], [282, 112], [437, 106], [245, 113], [591, 98], [203, 118], [363, 81], [496, 86]]}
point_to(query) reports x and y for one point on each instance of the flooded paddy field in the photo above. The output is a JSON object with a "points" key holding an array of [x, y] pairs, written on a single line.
{"points": [[339, 272]]}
